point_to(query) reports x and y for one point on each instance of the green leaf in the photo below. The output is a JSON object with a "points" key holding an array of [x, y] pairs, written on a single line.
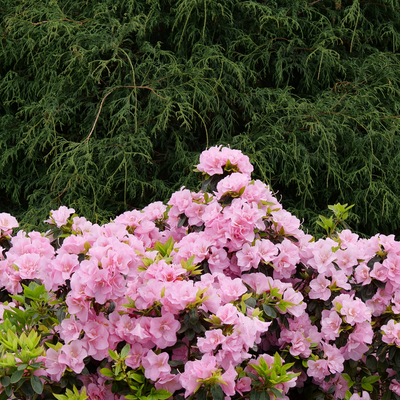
{"points": [[113, 355], [161, 394], [370, 379], [387, 395], [37, 384], [4, 395], [201, 394], [217, 392], [270, 311], [264, 395], [16, 376], [371, 363], [254, 395], [107, 372], [5, 381], [125, 350], [278, 394]]}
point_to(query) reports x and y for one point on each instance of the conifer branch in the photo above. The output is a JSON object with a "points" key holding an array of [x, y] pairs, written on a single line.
{"points": [[111, 91]]}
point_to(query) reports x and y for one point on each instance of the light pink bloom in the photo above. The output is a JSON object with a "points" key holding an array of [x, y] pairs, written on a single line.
{"points": [[29, 265], [285, 262], [286, 221], [136, 354], [96, 339], [320, 288], [355, 311], [232, 184], [365, 396], [212, 161], [54, 367], [73, 355], [155, 365], [395, 387], [163, 330], [335, 358], [228, 377], [230, 289], [60, 216], [298, 307], [379, 272], [299, 345], [361, 273], [78, 306], [243, 385], [248, 257], [228, 314], [267, 250], [211, 341], [330, 324], [169, 382], [7, 224], [195, 370], [318, 369], [323, 255], [70, 329]]}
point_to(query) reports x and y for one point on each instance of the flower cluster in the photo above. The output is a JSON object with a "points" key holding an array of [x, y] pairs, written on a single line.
{"points": [[219, 291]]}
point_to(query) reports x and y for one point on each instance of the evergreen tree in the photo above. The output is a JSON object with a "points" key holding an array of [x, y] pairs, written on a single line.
{"points": [[105, 106]]}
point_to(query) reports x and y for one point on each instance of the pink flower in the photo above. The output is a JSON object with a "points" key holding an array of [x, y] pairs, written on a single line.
{"points": [[96, 340], [195, 370], [7, 224], [395, 386], [365, 396], [168, 382], [60, 216], [228, 377], [70, 329], [212, 161], [323, 255], [228, 314], [285, 262], [136, 354], [230, 289], [355, 311], [361, 274], [155, 365], [232, 184], [320, 288], [330, 324], [54, 367], [285, 221], [335, 358], [243, 385], [299, 345], [318, 369], [248, 257], [73, 355], [379, 272], [298, 307], [29, 265], [78, 306], [211, 341], [163, 330]]}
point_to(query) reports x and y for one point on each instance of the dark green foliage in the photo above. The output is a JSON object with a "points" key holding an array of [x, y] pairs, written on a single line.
{"points": [[106, 106]]}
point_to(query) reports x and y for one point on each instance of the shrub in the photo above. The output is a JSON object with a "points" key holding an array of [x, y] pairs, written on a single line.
{"points": [[219, 294]]}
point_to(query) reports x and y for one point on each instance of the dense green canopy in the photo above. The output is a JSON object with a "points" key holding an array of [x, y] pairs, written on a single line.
{"points": [[105, 106]]}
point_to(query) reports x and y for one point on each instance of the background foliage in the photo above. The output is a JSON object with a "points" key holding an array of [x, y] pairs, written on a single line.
{"points": [[106, 105]]}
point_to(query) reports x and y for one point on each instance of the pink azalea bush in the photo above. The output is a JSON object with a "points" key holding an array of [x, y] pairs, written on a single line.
{"points": [[217, 294]]}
